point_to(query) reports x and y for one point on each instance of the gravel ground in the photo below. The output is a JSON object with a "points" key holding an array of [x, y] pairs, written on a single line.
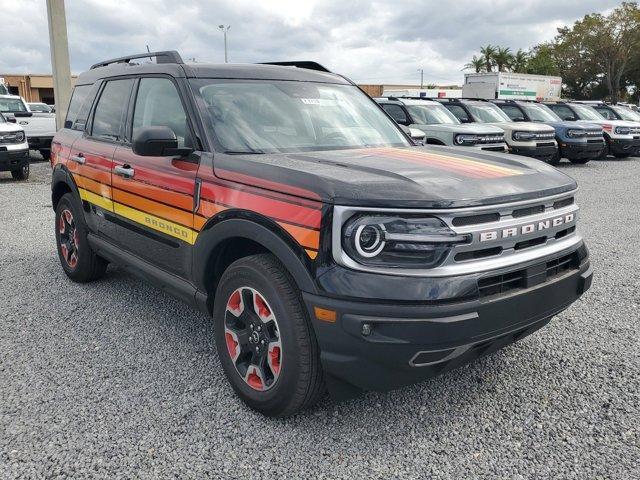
{"points": [[118, 380]]}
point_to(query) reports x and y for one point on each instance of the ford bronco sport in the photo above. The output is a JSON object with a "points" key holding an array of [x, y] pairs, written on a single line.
{"points": [[284, 202], [577, 142], [440, 126], [523, 138], [622, 138]]}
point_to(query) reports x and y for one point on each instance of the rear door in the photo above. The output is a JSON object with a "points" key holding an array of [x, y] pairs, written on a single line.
{"points": [[153, 196], [91, 155]]}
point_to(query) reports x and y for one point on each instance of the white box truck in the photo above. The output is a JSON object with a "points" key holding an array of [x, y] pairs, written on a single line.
{"points": [[511, 86]]}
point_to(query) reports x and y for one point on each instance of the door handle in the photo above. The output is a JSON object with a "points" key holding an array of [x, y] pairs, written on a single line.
{"points": [[78, 158], [124, 171]]}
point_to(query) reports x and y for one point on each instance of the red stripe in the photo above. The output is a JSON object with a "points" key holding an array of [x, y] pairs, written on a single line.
{"points": [[444, 165], [269, 207], [268, 184]]}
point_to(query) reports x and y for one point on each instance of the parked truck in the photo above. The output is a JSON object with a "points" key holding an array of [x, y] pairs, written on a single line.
{"points": [[511, 86], [39, 127]]}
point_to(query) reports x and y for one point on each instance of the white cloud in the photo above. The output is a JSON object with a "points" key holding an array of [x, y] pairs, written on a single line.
{"points": [[370, 41]]}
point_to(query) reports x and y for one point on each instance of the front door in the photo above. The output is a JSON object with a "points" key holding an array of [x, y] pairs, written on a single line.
{"points": [[153, 196]]}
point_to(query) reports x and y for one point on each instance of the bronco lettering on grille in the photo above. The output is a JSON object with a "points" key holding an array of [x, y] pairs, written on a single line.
{"points": [[527, 229]]}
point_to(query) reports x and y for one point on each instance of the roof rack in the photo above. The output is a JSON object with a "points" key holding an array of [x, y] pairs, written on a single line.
{"points": [[169, 56], [301, 64]]}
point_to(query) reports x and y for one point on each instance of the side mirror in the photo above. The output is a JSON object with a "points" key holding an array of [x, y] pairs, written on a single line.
{"points": [[519, 119], [157, 142], [12, 120], [465, 120]]}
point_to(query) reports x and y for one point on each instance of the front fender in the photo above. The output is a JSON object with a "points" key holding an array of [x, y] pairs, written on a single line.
{"points": [[259, 230]]}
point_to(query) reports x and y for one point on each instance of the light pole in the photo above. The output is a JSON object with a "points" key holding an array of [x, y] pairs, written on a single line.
{"points": [[421, 70], [224, 31], [59, 58]]}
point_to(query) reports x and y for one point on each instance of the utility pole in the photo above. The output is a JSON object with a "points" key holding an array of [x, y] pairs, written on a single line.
{"points": [[224, 31], [421, 70], [61, 68]]}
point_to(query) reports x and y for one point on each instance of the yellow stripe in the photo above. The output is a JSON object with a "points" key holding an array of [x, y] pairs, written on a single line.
{"points": [[96, 199], [156, 223]]}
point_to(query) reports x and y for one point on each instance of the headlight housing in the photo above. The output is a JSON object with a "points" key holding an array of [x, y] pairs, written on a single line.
{"points": [[398, 241], [523, 136], [575, 133], [623, 130], [465, 139], [19, 137]]}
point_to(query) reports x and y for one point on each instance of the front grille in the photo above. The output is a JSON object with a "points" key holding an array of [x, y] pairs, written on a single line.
{"points": [[527, 277], [484, 139], [594, 133], [544, 136], [634, 131], [565, 202], [475, 219]]}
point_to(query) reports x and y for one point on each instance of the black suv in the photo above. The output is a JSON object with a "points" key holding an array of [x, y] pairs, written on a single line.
{"points": [[284, 202]]}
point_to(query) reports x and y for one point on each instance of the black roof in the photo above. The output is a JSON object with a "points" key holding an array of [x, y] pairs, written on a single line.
{"points": [[304, 72]]}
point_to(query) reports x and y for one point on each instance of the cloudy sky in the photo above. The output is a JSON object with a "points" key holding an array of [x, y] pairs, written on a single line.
{"points": [[369, 41]]}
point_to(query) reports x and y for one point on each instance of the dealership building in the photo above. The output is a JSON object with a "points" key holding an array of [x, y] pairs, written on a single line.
{"points": [[31, 87]]}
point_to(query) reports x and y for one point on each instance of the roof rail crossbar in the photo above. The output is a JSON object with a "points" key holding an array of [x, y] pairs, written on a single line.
{"points": [[301, 64], [169, 56]]}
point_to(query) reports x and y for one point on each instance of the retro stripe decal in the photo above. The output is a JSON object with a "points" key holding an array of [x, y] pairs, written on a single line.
{"points": [[172, 214], [465, 166]]}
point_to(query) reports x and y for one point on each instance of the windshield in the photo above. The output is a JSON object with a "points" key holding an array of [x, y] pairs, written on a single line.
{"points": [[431, 114], [39, 107], [12, 105], [541, 113], [626, 113], [587, 113], [487, 113], [255, 116]]}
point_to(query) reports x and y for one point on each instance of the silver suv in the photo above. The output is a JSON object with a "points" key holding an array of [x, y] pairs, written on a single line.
{"points": [[440, 126]]}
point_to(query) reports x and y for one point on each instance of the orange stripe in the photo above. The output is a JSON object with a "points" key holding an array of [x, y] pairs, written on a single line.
{"points": [[199, 222], [160, 194], [467, 162], [154, 208], [93, 173], [210, 209], [304, 236], [93, 186]]}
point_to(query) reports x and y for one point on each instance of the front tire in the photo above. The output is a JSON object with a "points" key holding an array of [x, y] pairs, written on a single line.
{"points": [[579, 161], [555, 159], [264, 338], [77, 258], [22, 173]]}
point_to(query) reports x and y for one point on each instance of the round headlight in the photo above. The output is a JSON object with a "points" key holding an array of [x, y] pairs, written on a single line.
{"points": [[523, 136], [623, 130], [574, 133], [462, 139], [369, 240], [20, 136]]}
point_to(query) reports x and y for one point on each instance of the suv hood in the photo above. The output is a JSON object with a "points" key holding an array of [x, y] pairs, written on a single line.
{"points": [[524, 126], [410, 177], [472, 128], [10, 127]]}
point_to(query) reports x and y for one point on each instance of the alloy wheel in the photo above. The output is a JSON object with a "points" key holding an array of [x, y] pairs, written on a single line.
{"points": [[68, 238]]}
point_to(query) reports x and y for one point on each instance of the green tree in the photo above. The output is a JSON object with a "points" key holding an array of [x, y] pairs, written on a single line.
{"points": [[520, 61], [477, 64], [488, 53], [503, 58]]}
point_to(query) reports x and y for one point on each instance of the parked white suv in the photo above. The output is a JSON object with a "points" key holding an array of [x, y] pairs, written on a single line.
{"points": [[523, 138], [440, 126], [14, 150], [39, 127]]}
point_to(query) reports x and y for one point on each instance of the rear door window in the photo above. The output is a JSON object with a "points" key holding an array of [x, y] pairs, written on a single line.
{"points": [[513, 112], [109, 114], [606, 113], [78, 98], [459, 112], [564, 112]]}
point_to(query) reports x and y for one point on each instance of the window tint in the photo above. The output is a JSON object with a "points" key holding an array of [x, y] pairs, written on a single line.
{"points": [[564, 112], [78, 97], [107, 120], [513, 112], [158, 104], [396, 112], [459, 112]]}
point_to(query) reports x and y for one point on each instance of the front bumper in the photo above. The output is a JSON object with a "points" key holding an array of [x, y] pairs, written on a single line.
{"points": [[39, 143], [540, 152], [580, 150], [375, 345], [625, 146], [492, 147], [13, 159]]}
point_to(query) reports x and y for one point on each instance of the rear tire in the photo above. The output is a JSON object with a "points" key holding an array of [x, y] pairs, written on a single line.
{"points": [[77, 258], [22, 173], [605, 151], [279, 385], [555, 160], [579, 161]]}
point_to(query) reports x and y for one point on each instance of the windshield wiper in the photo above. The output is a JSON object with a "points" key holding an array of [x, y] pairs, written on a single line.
{"points": [[245, 152]]}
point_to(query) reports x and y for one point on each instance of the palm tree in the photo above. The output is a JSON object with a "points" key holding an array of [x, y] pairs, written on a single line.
{"points": [[488, 53], [503, 58], [476, 63], [520, 61]]}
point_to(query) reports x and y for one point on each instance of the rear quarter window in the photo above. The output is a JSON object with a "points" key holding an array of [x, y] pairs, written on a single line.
{"points": [[78, 98]]}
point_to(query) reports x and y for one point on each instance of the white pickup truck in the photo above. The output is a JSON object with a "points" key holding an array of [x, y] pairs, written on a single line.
{"points": [[39, 127]]}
